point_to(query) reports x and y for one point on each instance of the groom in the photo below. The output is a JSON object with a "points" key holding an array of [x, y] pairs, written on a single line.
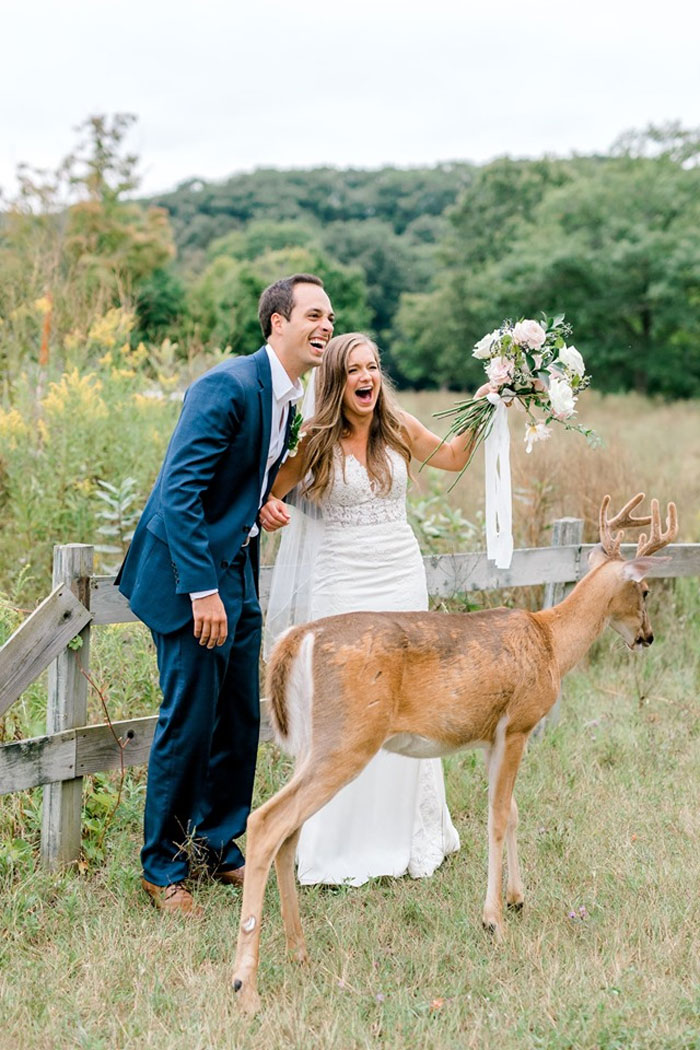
{"points": [[191, 575]]}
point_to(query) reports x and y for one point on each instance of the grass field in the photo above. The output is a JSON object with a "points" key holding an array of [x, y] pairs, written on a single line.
{"points": [[604, 955]]}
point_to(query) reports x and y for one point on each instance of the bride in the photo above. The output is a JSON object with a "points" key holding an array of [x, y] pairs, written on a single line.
{"points": [[354, 550]]}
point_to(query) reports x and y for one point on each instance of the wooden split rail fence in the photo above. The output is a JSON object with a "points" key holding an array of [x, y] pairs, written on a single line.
{"points": [[81, 601]]}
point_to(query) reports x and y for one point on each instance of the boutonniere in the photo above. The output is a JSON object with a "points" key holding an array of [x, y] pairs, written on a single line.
{"points": [[296, 434]]}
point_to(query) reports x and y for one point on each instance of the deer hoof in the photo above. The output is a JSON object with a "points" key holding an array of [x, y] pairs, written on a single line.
{"points": [[300, 955], [490, 927], [247, 997], [515, 906]]}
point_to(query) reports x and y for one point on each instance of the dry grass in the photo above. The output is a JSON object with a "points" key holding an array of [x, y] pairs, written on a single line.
{"points": [[648, 446]]}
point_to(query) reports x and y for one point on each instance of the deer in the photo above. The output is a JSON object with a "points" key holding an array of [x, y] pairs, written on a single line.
{"points": [[427, 684]]}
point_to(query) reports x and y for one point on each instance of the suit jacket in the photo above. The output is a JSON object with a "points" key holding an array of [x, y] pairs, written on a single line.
{"points": [[206, 497]]}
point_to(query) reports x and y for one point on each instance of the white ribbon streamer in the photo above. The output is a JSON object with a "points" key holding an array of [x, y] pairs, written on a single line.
{"points": [[499, 503]]}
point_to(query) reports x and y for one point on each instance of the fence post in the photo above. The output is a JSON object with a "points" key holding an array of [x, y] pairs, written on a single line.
{"points": [[67, 709], [565, 532]]}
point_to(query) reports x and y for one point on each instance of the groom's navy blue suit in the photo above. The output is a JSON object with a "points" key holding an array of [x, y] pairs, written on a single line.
{"points": [[193, 536]]}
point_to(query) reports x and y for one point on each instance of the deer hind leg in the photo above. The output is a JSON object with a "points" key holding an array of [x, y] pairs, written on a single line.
{"points": [[502, 763], [289, 900], [515, 896], [272, 827]]}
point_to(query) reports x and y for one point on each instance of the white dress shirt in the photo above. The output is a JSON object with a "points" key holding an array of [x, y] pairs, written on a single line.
{"points": [[284, 391]]}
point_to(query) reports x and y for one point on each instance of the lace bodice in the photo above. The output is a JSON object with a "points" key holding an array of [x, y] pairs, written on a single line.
{"points": [[352, 499]]}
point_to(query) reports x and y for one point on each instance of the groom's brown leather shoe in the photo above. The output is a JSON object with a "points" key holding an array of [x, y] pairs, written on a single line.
{"points": [[234, 877], [173, 898]]}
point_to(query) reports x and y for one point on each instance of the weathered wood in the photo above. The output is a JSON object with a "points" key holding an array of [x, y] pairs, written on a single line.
{"points": [[450, 574], [97, 750], [66, 708], [37, 641], [41, 760], [683, 560], [566, 532], [108, 605], [79, 752]]}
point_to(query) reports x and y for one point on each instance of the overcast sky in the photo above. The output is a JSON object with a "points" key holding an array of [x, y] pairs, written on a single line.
{"points": [[220, 87]]}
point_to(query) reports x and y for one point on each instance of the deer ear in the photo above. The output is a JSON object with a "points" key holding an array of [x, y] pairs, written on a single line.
{"points": [[597, 556], [639, 568]]}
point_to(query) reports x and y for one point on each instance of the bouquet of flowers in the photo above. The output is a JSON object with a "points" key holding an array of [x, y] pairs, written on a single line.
{"points": [[531, 363]]}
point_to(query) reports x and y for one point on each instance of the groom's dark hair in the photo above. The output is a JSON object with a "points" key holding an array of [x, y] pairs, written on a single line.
{"points": [[278, 298]]}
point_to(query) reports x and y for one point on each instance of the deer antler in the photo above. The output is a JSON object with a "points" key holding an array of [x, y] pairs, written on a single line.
{"points": [[622, 520], [658, 539]]}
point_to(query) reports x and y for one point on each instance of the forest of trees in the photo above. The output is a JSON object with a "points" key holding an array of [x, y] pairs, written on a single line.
{"points": [[426, 259]]}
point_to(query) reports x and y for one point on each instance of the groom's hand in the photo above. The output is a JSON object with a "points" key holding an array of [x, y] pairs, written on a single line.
{"points": [[210, 623], [274, 515]]}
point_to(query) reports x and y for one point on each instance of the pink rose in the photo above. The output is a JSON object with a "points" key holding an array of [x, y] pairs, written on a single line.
{"points": [[530, 334], [500, 371]]}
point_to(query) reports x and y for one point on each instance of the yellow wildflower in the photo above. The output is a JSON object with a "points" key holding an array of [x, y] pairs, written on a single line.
{"points": [[76, 396], [73, 340], [13, 428], [112, 327]]}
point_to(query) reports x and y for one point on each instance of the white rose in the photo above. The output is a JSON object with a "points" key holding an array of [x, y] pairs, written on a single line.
{"points": [[536, 432], [530, 334], [482, 349], [561, 398], [569, 356]]}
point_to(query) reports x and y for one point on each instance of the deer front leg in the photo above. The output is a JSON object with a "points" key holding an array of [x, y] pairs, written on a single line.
{"points": [[289, 899], [502, 763]]}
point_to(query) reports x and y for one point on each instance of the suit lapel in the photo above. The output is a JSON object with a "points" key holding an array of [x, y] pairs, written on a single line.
{"points": [[265, 395], [280, 459]]}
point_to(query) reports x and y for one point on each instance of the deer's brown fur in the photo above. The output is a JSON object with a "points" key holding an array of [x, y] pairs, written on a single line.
{"points": [[427, 683]]}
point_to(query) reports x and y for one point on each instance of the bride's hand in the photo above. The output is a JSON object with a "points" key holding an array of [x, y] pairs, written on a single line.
{"points": [[273, 515], [488, 389]]}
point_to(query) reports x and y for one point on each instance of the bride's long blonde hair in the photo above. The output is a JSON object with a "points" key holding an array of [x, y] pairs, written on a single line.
{"points": [[330, 424]]}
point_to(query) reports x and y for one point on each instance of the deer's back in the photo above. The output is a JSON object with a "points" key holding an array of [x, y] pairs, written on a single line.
{"points": [[454, 675]]}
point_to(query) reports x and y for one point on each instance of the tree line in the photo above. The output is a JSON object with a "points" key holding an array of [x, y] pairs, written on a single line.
{"points": [[426, 259]]}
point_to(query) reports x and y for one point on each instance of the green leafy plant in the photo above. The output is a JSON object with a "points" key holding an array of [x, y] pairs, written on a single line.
{"points": [[440, 527], [119, 516]]}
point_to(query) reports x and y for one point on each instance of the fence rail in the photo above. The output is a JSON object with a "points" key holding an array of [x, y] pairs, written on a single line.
{"points": [[79, 601]]}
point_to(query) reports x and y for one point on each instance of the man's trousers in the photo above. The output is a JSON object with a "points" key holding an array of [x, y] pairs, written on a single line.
{"points": [[202, 763]]}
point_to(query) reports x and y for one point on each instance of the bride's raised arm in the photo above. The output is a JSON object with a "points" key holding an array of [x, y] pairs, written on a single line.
{"points": [[424, 445]]}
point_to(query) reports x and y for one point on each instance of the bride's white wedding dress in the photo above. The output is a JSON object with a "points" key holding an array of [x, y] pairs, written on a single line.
{"points": [[392, 818]]}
